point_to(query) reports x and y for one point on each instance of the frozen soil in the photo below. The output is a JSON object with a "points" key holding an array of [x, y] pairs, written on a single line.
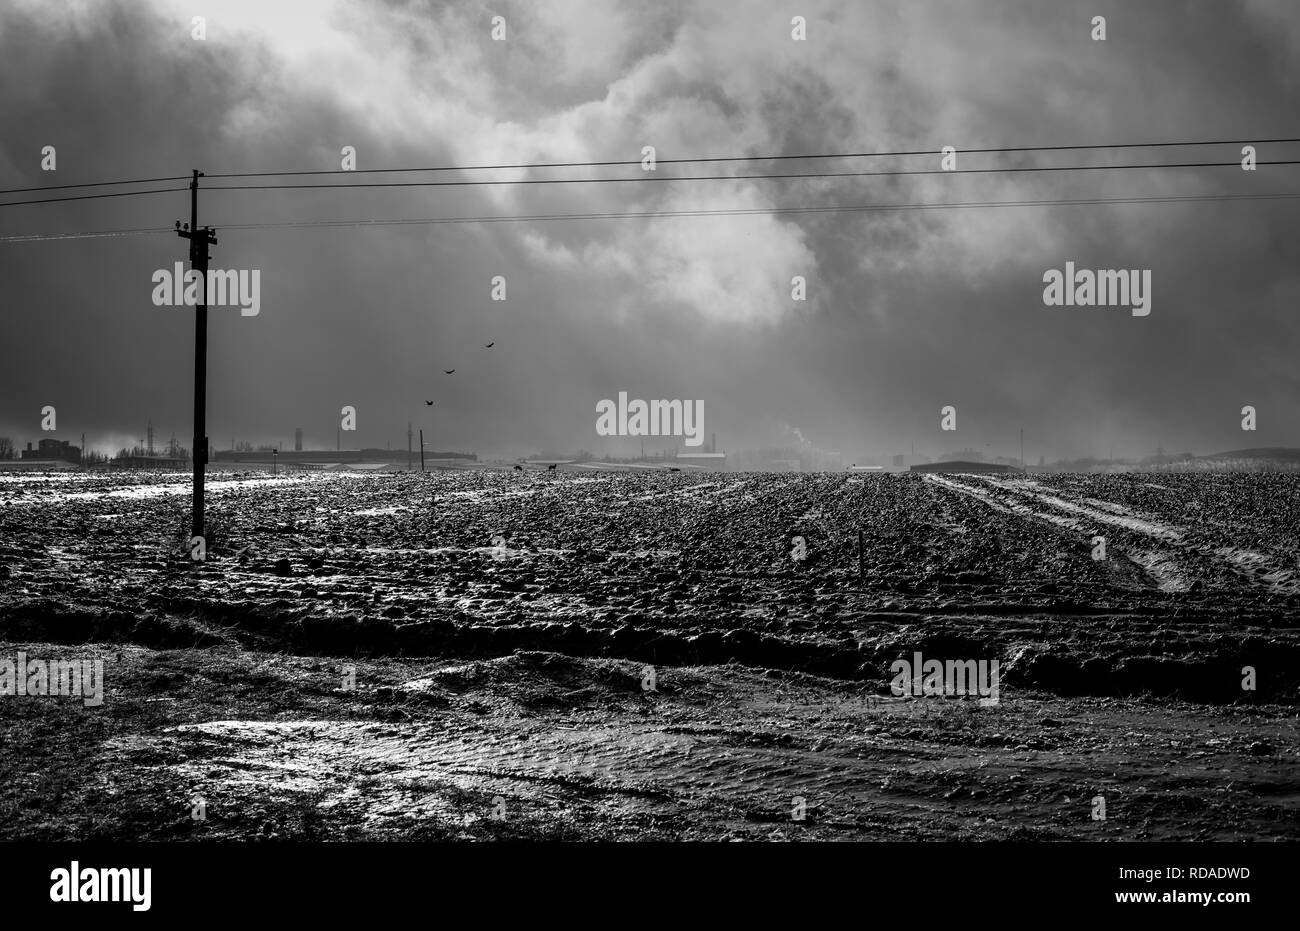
{"points": [[466, 655]]}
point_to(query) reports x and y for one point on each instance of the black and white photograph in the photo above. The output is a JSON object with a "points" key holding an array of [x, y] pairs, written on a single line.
{"points": [[497, 432]]}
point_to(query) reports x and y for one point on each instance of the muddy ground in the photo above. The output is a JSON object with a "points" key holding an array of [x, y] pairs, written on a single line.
{"points": [[470, 654]]}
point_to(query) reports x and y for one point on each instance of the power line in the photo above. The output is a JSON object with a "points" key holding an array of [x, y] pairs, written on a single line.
{"points": [[739, 211], [646, 178], [62, 200], [757, 158], [674, 161], [784, 176], [34, 237], [61, 187]]}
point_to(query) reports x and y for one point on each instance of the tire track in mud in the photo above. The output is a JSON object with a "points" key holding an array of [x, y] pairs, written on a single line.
{"points": [[670, 751], [865, 769], [575, 749], [733, 773], [1171, 557], [1161, 565], [1256, 568]]}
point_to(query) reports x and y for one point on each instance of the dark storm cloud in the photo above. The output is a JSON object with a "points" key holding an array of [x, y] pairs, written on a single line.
{"points": [[907, 311]]}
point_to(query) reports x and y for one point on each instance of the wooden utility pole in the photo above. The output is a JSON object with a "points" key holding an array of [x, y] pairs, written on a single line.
{"points": [[422, 449], [199, 242]]}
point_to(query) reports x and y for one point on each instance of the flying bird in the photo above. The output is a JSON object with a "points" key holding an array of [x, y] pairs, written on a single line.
{"points": [[448, 371], [430, 403], [489, 345]]}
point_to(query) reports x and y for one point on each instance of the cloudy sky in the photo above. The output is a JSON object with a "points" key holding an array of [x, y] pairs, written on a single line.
{"points": [[906, 311]]}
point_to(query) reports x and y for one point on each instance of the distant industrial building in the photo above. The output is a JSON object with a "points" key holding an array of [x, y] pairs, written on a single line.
{"points": [[57, 450], [131, 461], [959, 465], [712, 459]]}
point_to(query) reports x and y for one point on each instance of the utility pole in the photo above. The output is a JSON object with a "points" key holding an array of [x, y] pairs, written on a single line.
{"points": [[422, 449], [199, 242]]}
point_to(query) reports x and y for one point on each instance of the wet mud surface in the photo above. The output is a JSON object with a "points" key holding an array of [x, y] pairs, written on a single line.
{"points": [[465, 655]]}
